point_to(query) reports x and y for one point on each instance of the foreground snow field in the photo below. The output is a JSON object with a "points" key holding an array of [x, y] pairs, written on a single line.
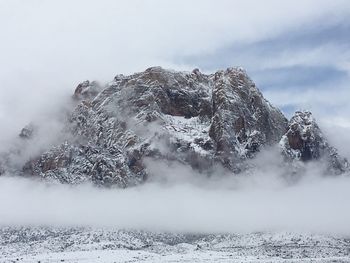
{"points": [[106, 245]]}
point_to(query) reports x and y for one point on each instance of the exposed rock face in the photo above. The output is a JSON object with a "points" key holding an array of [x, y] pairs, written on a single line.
{"points": [[86, 90], [193, 118], [305, 141], [27, 132], [242, 120]]}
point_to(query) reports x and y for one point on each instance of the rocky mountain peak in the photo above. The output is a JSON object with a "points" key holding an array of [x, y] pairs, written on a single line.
{"points": [[305, 141], [196, 119]]}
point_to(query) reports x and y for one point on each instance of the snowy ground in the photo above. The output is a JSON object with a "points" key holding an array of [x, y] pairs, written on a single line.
{"points": [[106, 245]]}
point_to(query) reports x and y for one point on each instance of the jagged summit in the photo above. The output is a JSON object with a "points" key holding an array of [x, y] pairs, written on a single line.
{"points": [[305, 141], [200, 120]]}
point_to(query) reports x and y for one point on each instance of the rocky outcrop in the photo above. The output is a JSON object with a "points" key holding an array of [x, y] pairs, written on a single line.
{"points": [[243, 120], [27, 132], [192, 118], [86, 90], [304, 141]]}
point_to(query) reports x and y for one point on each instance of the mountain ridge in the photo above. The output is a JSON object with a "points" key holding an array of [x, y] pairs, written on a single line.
{"points": [[199, 120]]}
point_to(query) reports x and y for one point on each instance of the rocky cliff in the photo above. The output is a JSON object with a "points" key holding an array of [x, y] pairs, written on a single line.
{"points": [[304, 141], [192, 118]]}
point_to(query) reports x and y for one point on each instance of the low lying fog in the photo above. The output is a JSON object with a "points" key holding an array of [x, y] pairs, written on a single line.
{"points": [[176, 200]]}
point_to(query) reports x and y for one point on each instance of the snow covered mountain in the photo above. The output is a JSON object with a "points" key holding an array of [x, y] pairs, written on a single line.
{"points": [[202, 121]]}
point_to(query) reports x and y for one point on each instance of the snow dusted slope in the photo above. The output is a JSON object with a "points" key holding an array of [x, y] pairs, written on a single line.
{"points": [[103, 245], [198, 120], [304, 141], [192, 118]]}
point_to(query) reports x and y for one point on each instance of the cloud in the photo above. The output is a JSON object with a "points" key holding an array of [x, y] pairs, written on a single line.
{"points": [[47, 48], [299, 68], [230, 205], [181, 200]]}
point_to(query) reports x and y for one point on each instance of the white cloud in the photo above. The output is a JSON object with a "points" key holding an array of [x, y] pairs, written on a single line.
{"points": [[324, 55], [259, 204]]}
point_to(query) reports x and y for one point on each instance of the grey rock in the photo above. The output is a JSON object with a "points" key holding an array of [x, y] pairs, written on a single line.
{"points": [[86, 90], [243, 121], [304, 141], [27, 132]]}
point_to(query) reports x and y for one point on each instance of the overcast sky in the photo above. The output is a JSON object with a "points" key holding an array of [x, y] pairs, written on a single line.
{"points": [[297, 52]]}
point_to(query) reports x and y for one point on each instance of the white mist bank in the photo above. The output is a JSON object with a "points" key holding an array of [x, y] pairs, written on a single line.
{"points": [[318, 205]]}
